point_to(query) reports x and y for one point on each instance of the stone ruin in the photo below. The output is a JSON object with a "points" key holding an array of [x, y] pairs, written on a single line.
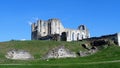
{"points": [[89, 50], [52, 29], [109, 39], [97, 43], [18, 55], [59, 52], [94, 46]]}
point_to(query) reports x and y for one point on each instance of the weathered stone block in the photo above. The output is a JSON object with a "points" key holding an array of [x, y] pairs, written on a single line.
{"points": [[18, 55], [59, 52]]}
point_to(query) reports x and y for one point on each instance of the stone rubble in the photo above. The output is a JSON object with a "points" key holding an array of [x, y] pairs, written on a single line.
{"points": [[18, 55], [59, 52]]}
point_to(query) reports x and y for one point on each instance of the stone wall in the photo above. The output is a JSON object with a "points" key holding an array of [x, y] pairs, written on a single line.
{"points": [[109, 39], [54, 26], [118, 38]]}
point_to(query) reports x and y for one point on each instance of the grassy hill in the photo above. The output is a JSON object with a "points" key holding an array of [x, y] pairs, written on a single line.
{"points": [[106, 58]]}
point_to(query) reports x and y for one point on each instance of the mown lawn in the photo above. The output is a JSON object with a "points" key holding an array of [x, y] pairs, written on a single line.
{"points": [[101, 65], [102, 59]]}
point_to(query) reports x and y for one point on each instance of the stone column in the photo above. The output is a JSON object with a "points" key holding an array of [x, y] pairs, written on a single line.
{"points": [[32, 31], [118, 38], [46, 28], [52, 27], [38, 27], [42, 28], [32, 27]]}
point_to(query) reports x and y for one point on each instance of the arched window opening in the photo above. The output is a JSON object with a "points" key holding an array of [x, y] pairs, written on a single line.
{"points": [[78, 35], [64, 36]]}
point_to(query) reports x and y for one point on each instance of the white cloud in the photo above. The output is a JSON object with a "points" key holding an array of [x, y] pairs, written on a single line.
{"points": [[30, 23], [35, 18], [23, 39]]}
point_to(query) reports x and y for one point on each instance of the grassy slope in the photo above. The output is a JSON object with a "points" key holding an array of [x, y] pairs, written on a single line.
{"points": [[39, 48]]}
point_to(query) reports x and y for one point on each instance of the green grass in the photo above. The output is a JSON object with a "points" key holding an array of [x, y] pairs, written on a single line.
{"points": [[101, 59], [37, 48]]}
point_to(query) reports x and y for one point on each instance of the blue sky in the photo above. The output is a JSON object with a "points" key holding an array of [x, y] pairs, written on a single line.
{"points": [[100, 16]]}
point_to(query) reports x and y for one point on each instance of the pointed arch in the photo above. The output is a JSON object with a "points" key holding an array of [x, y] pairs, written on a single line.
{"points": [[64, 36], [78, 36]]}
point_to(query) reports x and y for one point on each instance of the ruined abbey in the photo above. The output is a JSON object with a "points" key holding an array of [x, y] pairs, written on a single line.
{"points": [[53, 29]]}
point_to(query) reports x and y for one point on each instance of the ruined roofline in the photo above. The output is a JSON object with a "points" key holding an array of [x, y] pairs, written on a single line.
{"points": [[57, 19], [54, 19]]}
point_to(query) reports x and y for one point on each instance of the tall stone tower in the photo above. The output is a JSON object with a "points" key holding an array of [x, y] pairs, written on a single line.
{"points": [[55, 26]]}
